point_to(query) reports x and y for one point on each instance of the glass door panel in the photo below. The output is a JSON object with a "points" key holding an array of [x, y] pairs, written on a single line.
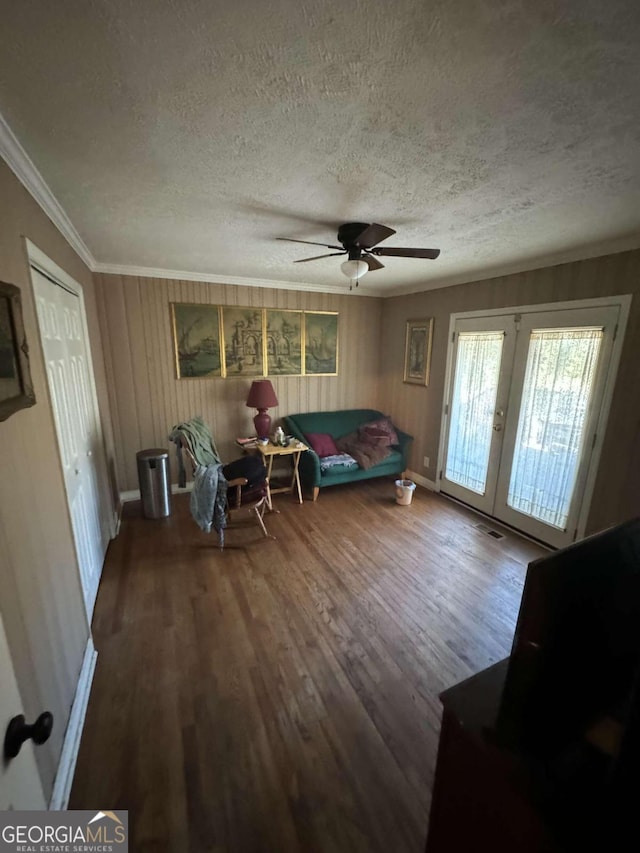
{"points": [[559, 371], [472, 408], [558, 386], [477, 403]]}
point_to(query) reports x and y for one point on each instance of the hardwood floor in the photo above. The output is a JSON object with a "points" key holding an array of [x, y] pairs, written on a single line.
{"points": [[282, 695]]}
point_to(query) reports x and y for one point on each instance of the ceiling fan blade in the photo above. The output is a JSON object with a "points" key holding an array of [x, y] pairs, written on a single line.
{"points": [[372, 235], [392, 252], [374, 264], [317, 257], [308, 242]]}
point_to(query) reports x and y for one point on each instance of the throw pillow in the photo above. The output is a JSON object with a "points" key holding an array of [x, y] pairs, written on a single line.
{"points": [[379, 432], [322, 443]]}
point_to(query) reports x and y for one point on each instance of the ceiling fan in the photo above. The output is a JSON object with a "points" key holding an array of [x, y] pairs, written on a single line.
{"points": [[359, 240]]}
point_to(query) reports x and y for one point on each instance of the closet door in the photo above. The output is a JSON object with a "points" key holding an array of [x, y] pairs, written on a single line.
{"points": [[68, 364]]}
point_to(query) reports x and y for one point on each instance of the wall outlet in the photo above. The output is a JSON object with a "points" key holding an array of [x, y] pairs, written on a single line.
{"points": [[425, 461]]}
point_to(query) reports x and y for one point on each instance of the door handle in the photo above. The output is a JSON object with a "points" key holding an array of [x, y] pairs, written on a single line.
{"points": [[89, 453], [497, 427], [18, 731], [76, 471]]}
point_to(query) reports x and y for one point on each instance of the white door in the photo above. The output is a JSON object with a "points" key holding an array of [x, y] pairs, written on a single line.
{"points": [[526, 397], [20, 786], [69, 374]]}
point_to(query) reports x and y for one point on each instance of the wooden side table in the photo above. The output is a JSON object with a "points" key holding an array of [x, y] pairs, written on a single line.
{"points": [[269, 451]]}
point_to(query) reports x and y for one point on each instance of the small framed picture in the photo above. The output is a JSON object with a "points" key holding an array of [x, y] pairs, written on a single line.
{"points": [[417, 352], [16, 390]]}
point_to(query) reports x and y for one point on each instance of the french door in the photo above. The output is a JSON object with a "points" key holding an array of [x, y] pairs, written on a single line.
{"points": [[523, 405]]}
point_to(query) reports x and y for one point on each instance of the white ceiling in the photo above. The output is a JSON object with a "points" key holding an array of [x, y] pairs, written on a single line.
{"points": [[189, 134]]}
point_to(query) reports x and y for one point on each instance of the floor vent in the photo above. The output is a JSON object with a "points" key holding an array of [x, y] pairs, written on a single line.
{"points": [[489, 531]]}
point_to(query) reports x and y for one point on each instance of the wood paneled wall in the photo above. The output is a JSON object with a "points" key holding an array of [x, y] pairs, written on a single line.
{"points": [[419, 410], [147, 399], [40, 594]]}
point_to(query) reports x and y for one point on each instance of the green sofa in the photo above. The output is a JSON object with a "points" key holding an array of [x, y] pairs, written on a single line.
{"points": [[338, 424]]}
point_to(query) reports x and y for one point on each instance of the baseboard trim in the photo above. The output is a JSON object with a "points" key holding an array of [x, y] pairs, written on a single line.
{"points": [[71, 745], [422, 481], [134, 494]]}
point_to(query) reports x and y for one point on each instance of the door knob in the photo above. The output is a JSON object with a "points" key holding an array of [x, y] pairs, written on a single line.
{"points": [[89, 453], [497, 427], [500, 413], [18, 731]]}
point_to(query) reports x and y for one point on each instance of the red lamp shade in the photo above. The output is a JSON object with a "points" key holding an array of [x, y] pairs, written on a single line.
{"points": [[262, 397]]}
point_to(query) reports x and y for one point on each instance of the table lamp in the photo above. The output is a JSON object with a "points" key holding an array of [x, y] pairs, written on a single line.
{"points": [[262, 397]]}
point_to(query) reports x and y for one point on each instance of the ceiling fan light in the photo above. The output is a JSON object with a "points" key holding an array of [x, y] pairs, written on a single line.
{"points": [[354, 269]]}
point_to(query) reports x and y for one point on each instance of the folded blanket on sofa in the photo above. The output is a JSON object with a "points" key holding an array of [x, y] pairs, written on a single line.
{"points": [[337, 460], [367, 453]]}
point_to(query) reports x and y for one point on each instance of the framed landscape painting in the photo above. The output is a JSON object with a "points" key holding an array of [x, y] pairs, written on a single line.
{"points": [[16, 391], [284, 342], [242, 334], [320, 343], [197, 340], [417, 353]]}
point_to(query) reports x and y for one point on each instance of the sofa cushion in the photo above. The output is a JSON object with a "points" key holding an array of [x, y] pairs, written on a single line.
{"points": [[381, 432], [335, 423], [322, 443]]}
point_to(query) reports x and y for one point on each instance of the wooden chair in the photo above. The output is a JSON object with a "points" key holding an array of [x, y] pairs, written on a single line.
{"points": [[253, 500]]}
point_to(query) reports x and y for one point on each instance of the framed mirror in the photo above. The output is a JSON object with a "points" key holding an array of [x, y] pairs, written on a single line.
{"points": [[16, 389]]}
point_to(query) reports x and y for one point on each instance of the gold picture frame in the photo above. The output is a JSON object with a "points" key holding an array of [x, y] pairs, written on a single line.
{"points": [[320, 343], [197, 340], [231, 341], [243, 337], [16, 388], [283, 341], [417, 351]]}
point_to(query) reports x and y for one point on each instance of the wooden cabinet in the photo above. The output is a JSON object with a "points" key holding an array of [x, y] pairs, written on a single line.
{"points": [[576, 796], [484, 796]]}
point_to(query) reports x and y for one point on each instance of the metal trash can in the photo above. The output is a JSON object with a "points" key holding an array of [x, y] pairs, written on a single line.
{"points": [[404, 492], [153, 476]]}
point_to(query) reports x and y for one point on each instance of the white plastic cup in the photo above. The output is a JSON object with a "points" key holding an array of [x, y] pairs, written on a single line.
{"points": [[404, 492]]}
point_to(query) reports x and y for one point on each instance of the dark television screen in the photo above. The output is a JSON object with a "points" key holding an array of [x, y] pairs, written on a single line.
{"points": [[576, 650]]}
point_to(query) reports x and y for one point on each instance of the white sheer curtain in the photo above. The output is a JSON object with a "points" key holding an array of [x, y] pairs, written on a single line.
{"points": [[561, 368], [472, 408]]}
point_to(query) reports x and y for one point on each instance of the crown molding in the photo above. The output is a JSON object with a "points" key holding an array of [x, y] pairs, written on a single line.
{"points": [[214, 278], [25, 170], [628, 243]]}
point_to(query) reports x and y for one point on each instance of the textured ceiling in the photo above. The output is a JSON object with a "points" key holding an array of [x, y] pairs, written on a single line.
{"points": [[188, 134]]}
